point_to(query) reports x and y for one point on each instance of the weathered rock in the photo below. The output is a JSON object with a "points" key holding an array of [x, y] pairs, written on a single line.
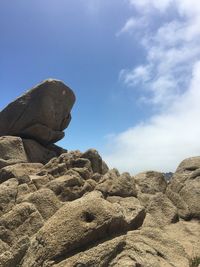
{"points": [[189, 165], [23, 219], [114, 184], [42, 113], [74, 226], [67, 187], [38, 153], [8, 195], [160, 210], [12, 256], [99, 255], [65, 162], [150, 247], [134, 212], [19, 171], [184, 188], [41, 181], [96, 161], [150, 182], [45, 201], [11, 151], [187, 234]]}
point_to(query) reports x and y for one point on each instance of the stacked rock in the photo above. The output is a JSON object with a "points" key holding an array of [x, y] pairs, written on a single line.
{"points": [[30, 125], [63, 208]]}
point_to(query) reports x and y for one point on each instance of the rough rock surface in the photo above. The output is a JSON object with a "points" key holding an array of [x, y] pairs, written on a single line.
{"points": [[11, 151], [62, 208], [184, 188], [42, 113]]}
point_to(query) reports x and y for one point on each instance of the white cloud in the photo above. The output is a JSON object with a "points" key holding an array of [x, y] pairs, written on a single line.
{"points": [[163, 141], [132, 24], [171, 75], [135, 76]]}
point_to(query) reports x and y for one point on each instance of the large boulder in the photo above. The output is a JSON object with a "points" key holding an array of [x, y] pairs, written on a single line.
{"points": [[42, 113], [76, 226]]}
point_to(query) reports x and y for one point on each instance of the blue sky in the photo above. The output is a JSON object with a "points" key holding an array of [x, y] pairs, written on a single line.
{"points": [[133, 65]]}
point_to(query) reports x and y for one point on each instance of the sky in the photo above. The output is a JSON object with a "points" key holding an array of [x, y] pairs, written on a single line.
{"points": [[133, 65]]}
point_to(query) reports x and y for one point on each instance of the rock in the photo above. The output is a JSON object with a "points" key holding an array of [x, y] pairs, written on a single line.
{"points": [[19, 171], [184, 188], [22, 220], [38, 153], [76, 225], [150, 247], [96, 256], [40, 181], [189, 165], [11, 151], [8, 195], [147, 247], [160, 210], [12, 257], [150, 182], [134, 212], [67, 187], [42, 113], [45, 201], [187, 234], [114, 184], [96, 161]]}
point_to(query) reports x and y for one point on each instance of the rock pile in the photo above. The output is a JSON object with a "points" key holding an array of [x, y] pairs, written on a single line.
{"points": [[68, 209]]}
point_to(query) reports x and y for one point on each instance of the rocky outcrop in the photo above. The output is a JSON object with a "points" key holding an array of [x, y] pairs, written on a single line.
{"points": [[42, 113], [62, 208]]}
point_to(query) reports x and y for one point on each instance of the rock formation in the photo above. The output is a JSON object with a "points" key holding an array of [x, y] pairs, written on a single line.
{"points": [[64, 208]]}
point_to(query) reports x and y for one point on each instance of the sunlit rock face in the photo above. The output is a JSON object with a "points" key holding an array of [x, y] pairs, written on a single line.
{"points": [[64, 208]]}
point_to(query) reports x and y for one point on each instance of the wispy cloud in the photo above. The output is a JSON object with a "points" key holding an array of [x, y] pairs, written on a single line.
{"points": [[132, 24], [170, 75]]}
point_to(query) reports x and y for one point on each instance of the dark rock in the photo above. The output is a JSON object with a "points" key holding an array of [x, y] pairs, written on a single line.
{"points": [[38, 153], [42, 113]]}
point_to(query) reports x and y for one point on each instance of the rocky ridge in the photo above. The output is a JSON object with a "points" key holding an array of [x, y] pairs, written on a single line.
{"points": [[64, 208]]}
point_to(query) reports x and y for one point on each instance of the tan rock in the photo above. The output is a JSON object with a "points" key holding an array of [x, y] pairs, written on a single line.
{"points": [[11, 151], [114, 184], [19, 170], [150, 182]]}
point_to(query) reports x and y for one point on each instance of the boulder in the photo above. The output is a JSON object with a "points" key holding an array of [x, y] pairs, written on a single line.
{"points": [[188, 165], [45, 201], [97, 163], [19, 171], [160, 210], [150, 182], [75, 226], [37, 153], [42, 113], [23, 220], [11, 151], [184, 188], [147, 247], [114, 184]]}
